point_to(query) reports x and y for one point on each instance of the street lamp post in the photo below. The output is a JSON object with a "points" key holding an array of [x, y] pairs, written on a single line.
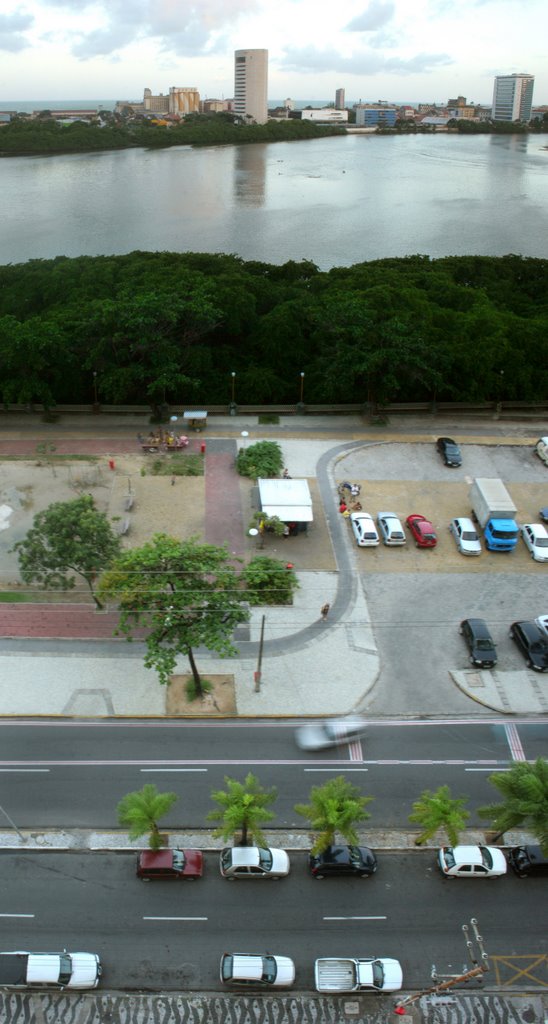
{"points": [[95, 397], [300, 404], [233, 394]]}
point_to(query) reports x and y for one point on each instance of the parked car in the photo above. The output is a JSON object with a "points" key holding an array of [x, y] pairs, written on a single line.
{"points": [[528, 860], [480, 642], [449, 451], [533, 644], [391, 528], [535, 536], [541, 449], [472, 862], [166, 864], [466, 536], [253, 862], [350, 974], [542, 623], [364, 529], [257, 971], [422, 531], [343, 860], [543, 514], [332, 732]]}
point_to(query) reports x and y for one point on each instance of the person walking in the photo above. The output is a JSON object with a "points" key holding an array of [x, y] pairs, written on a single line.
{"points": [[325, 610]]}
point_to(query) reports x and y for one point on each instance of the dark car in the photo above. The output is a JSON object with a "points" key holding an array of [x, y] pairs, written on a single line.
{"points": [[533, 644], [480, 642], [174, 864], [343, 860], [449, 450], [528, 860]]}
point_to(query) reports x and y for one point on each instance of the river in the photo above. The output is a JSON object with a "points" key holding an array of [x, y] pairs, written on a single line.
{"points": [[334, 201]]}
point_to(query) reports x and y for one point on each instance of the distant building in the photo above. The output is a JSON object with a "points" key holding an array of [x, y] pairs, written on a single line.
{"points": [[460, 108], [323, 115], [177, 102], [513, 97], [251, 85], [375, 115], [339, 99]]}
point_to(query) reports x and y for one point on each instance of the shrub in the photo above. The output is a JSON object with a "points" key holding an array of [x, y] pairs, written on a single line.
{"points": [[262, 459], [269, 581]]}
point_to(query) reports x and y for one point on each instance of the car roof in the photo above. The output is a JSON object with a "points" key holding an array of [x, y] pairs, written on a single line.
{"points": [[361, 515], [156, 858], [244, 856], [478, 625], [530, 630], [537, 529], [465, 523]]}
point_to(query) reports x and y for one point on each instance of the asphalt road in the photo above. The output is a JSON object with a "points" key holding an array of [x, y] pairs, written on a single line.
{"points": [[71, 774], [170, 935]]}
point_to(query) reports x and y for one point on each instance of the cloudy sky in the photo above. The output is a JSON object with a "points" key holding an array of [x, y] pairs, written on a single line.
{"points": [[375, 49]]}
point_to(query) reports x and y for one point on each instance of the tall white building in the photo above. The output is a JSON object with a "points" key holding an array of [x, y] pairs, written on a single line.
{"points": [[513, 97], [251, 85]]}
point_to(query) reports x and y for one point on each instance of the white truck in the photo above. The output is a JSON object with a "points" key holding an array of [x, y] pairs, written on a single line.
{"points": [[364, 974], [494, 510], [19, 969]]}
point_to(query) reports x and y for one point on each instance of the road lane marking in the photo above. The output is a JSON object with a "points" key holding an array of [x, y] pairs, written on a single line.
{"points": [[376, 918], [35, 770], [487, 769], [16, 915], [149, 770], [514, 742], [336, 769], [175, 918]]}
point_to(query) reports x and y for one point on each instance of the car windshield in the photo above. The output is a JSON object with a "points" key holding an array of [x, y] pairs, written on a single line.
{"points": [[504, 534], [378, 974], [541, 542], [269, 969], [484, 644], [449, 857], [354, 855], [227, 967], [265, 859], [178, 860], [469, 535], [226, 858], [486, 857], [65, 968]]}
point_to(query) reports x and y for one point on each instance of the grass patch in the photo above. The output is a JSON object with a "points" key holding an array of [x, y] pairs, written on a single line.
{"points": [[178, 464], [12, 597], [269, 417], [190, 688]]}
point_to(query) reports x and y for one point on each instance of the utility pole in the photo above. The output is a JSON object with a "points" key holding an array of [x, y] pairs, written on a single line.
{"points": [[479, 967]]}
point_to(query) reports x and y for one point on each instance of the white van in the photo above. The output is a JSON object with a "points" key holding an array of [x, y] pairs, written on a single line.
{"points": [[541, 449]]}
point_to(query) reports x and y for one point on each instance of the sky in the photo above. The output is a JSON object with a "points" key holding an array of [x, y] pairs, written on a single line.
{"points": [[395, 50]]}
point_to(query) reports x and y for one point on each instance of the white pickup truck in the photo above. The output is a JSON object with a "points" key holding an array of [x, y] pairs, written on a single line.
{"points": [[350, 974], [49, 970]]}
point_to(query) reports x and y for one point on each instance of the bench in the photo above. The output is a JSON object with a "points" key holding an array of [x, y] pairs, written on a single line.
{"points": [[123, 527]]}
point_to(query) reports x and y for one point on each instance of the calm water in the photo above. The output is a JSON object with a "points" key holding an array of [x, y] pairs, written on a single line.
{"points": [[335, 201]]}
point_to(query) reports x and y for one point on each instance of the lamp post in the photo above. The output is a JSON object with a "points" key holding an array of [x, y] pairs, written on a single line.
{"points": [[302, 387], [300, 403], [232, 407], [233, 375], [95, 398]]}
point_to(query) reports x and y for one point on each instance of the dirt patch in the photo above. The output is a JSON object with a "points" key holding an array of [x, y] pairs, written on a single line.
{"points": [[220, 701]]}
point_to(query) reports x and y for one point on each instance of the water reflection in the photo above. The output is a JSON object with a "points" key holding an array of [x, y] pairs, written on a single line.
{"points": [[250, 175]]}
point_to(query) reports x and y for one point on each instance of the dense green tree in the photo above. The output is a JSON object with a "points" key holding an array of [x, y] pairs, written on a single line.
{"points": [[524, 789], [183, 593], [68, 539], [335, 808], [260, 460], [269, 581], [141, 811], [242, 806], [435, 811]]}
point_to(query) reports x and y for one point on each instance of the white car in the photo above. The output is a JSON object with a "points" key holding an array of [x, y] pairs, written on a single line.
{"points": [[466, 536], [391, 528], [251, 969], [331, 733], [364, 529], [253, 862], [472, 862], [535, 536], [542, 623], [541, 449], [20, 969]]}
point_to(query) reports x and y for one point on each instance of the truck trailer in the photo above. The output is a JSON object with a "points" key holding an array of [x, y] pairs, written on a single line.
{"points": [[494, 510]]}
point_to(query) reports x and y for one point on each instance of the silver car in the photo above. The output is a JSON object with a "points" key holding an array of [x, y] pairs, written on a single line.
{"points": [[535, 536], [466, 537], [391, 529], [331, 733]]}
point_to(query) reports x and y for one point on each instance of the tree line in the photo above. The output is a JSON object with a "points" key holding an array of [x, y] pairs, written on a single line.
{"points": [[173, 327]]}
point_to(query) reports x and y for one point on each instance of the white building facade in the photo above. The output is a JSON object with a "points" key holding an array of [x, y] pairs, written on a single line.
{"points": [[513, 97], [251, 85]]}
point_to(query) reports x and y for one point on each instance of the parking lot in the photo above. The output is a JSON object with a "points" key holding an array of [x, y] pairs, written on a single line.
{"points": [[417, 598]]}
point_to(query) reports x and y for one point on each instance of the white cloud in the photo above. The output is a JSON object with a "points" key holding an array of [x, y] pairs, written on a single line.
{"points": [[364, 62], [375, 16], [12, 27]]}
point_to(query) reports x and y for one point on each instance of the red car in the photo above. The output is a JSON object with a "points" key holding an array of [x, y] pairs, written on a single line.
{"points": [[422, 530], [153, 864]]}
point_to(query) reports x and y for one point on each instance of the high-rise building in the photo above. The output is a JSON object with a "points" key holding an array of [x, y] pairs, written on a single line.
{"points": [[513, 97], [251, 85], [339, 99]]}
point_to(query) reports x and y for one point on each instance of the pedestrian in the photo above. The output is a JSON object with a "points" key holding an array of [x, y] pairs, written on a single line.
{"points": [[325, 610], [173, 481]]}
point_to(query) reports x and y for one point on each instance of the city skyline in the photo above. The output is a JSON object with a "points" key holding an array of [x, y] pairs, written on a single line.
{"points": [[374, 49]]}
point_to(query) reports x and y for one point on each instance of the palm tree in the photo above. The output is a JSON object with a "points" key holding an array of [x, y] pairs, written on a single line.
{"points": [[142, 810], [439, 810], [525, 792], [334, 808], [243, 806]]}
